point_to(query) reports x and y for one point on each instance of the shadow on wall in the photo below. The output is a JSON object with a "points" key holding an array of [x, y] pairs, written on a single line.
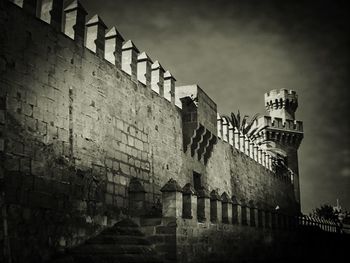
{"points": [[50, 204]]}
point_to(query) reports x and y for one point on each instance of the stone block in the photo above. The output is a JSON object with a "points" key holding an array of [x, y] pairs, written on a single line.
{"points": [[2, 117], [25, 165], [139, 144], [110, 188], [38, 113], [119, 124], [27, 109], [31, 124], [120, 190], [131, 141], [31, 98], [42, 127], [109, 199], [40, 200], [123, 180], [172, 199], [144, 137], [63, 134], [2, 145], [11, 163], [124, 138], [166, 230], [125, 168], [37, 168], [145, 146], [133, 172]]}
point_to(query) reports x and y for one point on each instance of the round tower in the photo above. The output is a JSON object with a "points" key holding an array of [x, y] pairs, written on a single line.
{"points": [[284, 130], [281, 103]]}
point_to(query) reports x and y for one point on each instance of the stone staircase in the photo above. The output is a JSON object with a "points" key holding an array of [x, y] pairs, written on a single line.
{"points": [[161, 233], [124, 242]]}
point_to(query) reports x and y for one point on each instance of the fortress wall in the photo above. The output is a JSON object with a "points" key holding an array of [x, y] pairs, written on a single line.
{"points": [[239, 175], [64, 95], [74, 130]]}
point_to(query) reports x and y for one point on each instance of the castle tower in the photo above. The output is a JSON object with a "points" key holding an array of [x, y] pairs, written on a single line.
{"points": [[284, 130], [281, 103]]}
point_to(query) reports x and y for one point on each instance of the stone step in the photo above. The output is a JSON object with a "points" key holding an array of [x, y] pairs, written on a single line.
{"points": [[166, 230], [160, 238], [119, 239], [123, 242], [114, 249], [124, 258], [155, 221], [122, 231]]}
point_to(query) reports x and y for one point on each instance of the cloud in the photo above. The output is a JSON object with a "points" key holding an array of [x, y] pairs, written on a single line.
{"points": [[345, 172]]}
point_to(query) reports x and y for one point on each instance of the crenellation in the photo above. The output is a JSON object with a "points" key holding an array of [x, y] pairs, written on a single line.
{"points": [[220, 126], [251, 149], [269, 162], [252, 214], [236, 138], [215, 207], [281, 103], [246, 146], [259, 155], [256, 152], [17, 2], [226, 208], [169, 87], [225, 130], [74, 21], [231, 137], [189, 202], [83, 119], [113, 47], [236, 211], [56, 14], [129, 59], [263, 158], [44, 9], [157, 79], [203, 208], [241, 142], [95, 35], [144, 64]]}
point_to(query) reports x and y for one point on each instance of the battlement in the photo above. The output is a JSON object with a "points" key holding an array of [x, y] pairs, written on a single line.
{"points": [[91, 128], [109, 44], [280, 93], [215, 208], [201, 123], [281, 103], [279, 123], [250, 145]]}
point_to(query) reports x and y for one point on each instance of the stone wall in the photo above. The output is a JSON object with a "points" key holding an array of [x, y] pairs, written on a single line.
{"points": [[232, 231], [74, 129]]}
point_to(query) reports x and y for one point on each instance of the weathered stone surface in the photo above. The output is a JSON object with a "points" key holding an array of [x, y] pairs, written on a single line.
{"points": [[75, 130]]}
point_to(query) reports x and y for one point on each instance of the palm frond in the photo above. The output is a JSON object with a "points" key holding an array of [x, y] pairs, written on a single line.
{"points": [[251, 132], [234, 120], [239, 120], [244, 122], [260, 129], [227, 118], [250, 124]]}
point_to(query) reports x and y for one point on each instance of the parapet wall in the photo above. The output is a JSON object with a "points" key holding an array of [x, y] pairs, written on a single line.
{"points": [[75, 129], [216, 227]]}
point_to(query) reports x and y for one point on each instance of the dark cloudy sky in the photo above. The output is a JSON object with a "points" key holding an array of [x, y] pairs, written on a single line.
{"points": [[238, 50]]}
